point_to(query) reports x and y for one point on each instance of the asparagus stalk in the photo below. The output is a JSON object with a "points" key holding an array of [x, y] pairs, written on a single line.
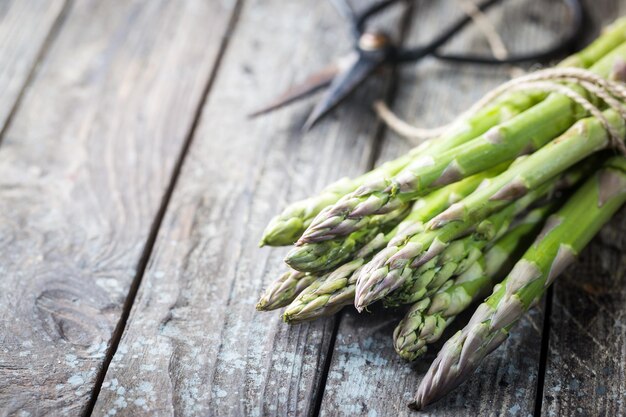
{"points": [[288, 226], [425, 322], [325, 296], [335, 290], [612, 36], [584, 138], [524, 133], [283, 291], [564, 235], [289, 285], [457, 257]]}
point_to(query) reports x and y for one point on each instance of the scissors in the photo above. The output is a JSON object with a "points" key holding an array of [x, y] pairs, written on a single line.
{"points": [[372, 50]]}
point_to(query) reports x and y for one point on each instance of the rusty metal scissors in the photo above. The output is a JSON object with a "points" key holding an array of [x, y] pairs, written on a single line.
{"points": [[375, 49]]}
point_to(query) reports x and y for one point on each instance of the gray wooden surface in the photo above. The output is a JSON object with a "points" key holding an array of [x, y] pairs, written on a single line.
{"points": [[131, 207], [194, 343], [84, 166], [25, 28]]}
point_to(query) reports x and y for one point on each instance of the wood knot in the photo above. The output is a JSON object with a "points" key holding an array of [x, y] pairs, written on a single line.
{"points": [[65, 314]]}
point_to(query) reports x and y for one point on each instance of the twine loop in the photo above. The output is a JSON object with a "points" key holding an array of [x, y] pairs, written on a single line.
{"points": [[554, 80]]}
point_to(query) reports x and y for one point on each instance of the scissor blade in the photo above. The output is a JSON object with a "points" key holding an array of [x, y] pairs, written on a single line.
{"points": [[310, 85], [344, 84]]}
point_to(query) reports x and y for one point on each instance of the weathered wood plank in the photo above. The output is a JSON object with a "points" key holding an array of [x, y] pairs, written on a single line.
{"points": [[83, 170], [24, 27], [366, 376], [586, 364], [194, 344]]}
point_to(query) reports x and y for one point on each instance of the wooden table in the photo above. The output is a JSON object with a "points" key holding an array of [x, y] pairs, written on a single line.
{"points": [[133, 192]]}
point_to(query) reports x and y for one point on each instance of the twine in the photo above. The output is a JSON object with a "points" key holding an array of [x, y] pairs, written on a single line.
{"points": [[417, 135], [612, 93]]}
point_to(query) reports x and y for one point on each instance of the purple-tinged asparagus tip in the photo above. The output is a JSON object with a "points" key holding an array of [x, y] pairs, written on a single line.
{"points": [[453, 213]]}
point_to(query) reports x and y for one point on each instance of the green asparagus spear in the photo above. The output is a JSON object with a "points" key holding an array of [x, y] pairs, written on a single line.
{"points": [[335, 290], [455, 258], [462, 253], [564, 235], [584, 138], [282, 291], [428, 318], [325, 296], [288, 226], [524, 133], [612, 36]]}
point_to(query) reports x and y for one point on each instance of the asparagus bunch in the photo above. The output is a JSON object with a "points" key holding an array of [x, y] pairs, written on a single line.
{"points": [[439, 226], [408, 279], [315, 257], [564, 235]]}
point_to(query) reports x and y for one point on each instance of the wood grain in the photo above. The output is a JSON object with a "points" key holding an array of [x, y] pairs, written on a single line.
{"points": [[194, 344], [83, 169], [24, 27], [365, 375]]}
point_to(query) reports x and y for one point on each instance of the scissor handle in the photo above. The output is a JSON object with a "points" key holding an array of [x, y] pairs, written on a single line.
{"points": [[360, 19], [359, 22]]}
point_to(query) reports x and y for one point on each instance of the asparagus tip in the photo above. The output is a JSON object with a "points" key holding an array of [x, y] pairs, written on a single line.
{"points": [[415, 405], [263, 304], [287, 318]]}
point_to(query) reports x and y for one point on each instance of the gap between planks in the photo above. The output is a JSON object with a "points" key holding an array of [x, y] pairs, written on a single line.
{"points": [[543, 355], [406, 22], [156, 225], [45, 46]]}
